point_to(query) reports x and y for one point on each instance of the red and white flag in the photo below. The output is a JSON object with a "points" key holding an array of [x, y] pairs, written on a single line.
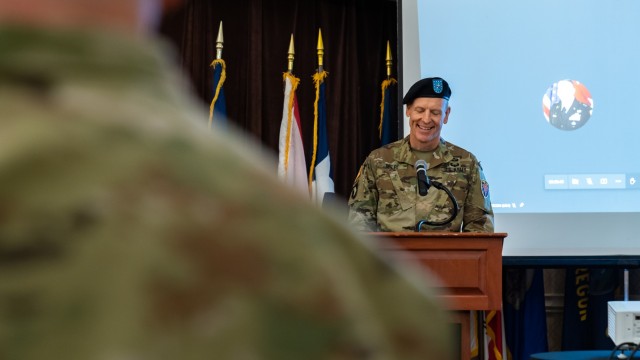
{"points": [[292, 166], [494, 335]]}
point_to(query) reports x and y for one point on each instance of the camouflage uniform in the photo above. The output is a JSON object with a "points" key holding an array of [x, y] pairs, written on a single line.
{"points": [[128, 230], [385, 196]]}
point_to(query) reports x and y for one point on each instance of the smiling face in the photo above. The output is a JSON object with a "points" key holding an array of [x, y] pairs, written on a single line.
{"points": [[426, 118]]}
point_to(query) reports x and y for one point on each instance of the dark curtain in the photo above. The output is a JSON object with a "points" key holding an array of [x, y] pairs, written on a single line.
{"points": [[256, 42]]}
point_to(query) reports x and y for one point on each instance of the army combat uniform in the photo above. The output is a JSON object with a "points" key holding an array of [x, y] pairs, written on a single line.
{"points": [[385, 195], [129, 230]]}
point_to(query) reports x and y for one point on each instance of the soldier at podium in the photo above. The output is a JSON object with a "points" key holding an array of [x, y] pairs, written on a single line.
{"points": [[386, 195]]}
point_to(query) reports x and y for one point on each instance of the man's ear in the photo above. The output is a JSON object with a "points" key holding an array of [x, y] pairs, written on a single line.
{"points": [[446, 115]]}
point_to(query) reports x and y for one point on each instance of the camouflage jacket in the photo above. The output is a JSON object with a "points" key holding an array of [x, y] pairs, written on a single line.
{"points": [[130, 230], [385, 197]]}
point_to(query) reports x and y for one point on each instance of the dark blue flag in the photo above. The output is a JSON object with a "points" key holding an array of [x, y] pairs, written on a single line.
{"points": [[218, 108], [524, 313], [320, 173], [587, 292]]}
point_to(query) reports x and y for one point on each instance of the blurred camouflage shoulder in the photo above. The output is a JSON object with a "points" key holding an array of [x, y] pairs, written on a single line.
{"points": [[128, 229]]}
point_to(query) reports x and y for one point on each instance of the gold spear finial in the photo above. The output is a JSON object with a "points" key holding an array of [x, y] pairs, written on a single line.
{"points": [[291, 56], [219, 43], [320, 50], [389, 60]]}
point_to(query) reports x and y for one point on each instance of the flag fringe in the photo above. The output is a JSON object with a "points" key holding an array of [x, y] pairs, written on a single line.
{"points": [[492, 336], [294, 85], [318, 78], [384, 86], [223, 76]]}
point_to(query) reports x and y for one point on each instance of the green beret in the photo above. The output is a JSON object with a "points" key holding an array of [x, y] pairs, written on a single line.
{"points": [[434, 87]]}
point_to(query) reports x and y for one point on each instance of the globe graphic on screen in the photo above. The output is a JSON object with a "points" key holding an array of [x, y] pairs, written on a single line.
{"points": [[567, 105]]}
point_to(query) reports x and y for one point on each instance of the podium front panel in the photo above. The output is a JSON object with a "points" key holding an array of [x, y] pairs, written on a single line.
{"points": [[468, 266]]}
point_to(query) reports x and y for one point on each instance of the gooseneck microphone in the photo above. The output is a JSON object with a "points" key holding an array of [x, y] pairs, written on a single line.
{"points": [[423, 187], [423, 180]]}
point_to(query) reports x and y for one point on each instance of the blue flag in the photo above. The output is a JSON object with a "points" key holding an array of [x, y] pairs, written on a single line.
{"points": [[385, 112], [218, 108], [320, 173], [524, 313]]}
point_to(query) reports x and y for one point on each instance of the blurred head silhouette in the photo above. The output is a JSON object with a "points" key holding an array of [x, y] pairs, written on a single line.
{"points": [[132, 16]]}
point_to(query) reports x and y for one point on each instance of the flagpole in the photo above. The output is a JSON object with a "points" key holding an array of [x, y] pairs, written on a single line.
{"points": [[317, 79], [389, 60], [292, 166], [384, 128], [294, 83], [291, 56], [320, 51], [320, 172], [220, 78], [219, 43]]}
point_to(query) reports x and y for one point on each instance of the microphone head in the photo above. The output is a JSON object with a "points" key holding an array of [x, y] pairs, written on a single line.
{"points": [[421, 164]]}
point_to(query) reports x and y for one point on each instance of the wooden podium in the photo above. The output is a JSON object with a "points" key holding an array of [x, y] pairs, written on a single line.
{"points": [[468, 266]]}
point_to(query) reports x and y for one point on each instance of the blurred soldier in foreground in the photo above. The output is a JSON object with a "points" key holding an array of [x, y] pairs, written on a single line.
{"points": [[130, 231]]}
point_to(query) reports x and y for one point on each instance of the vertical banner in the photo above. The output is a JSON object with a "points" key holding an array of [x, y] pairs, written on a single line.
{"points": [[493, 335], [292, 166], [585, 322], [218, 108], [386, 111], [320, 171], [525, 320]]}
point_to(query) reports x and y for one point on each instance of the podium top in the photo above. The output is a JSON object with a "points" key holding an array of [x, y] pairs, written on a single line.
{"points": [[439, 234]]}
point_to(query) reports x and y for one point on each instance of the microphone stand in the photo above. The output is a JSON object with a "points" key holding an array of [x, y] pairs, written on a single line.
{"points": [[454, 213]]}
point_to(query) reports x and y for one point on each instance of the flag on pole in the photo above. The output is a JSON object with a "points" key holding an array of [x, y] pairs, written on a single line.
{"points": [[576, 305], [587, 292], [320, 172], [385, 111], [292, 166], [493, 335], [385, 127], [218, 108], [525, 321]]}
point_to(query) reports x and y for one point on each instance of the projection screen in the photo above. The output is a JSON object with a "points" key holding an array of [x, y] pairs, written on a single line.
{"points": [[544, 93]]}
